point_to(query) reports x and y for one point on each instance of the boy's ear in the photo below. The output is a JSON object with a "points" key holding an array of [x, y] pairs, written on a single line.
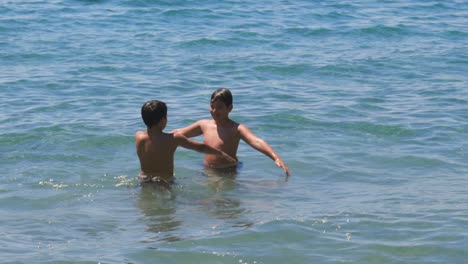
{"points": [[230, 108], [163, 120]]}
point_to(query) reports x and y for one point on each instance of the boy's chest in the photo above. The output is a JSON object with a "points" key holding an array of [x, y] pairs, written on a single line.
{"points": [[213, 134]]}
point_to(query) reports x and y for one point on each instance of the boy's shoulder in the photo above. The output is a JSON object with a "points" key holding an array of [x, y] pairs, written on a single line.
{"points": [[204, 122], [234, 124], [140, 134], [141, 137], [212, 121]]}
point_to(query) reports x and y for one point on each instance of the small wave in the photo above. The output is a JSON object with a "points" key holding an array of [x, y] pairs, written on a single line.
{"points": [[125, 181], [418, 161], [43, 157], [345, 70], [53, 184], [459, 61], [246, 33], [15, 139], [17, 57], [433, 7], [368, 106], [104, 68], [285, 118], [335, 16], [188, 12], [371, 100], [103, 141], [91, 2], [456, 33], [145, 36], [206, 43], [292, 69], [308, 32], [38, 203], [380, 130], [381, 30]]}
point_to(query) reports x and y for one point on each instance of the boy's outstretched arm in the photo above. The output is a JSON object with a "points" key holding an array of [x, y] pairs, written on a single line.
{"points": [[201, 147], [262, 146], [192, 130]]}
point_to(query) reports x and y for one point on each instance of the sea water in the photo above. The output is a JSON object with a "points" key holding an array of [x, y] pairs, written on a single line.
{"points": [[365, 101]]}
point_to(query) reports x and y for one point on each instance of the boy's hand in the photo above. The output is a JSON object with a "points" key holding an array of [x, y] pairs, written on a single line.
{"points": [[281, 164]]}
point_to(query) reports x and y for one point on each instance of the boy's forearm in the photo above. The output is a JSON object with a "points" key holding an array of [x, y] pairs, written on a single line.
{"points": [[266, 149], [203, 148], [217, 152], [189, 131], [180, 131], [262, 146], [210, 150], [214, 151]]}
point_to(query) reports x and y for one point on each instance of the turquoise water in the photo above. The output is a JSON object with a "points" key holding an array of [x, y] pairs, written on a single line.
{"points": [[366, 101]]}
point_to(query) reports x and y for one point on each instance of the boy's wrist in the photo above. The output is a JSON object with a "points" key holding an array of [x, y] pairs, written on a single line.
{"points": [[278, 160]]}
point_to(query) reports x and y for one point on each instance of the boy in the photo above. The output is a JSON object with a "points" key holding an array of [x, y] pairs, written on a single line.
{"points": [[223, 133], [156, 149]]}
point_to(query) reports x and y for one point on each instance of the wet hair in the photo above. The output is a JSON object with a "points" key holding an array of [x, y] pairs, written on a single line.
{"points": [[152, 112], [223, 95]]}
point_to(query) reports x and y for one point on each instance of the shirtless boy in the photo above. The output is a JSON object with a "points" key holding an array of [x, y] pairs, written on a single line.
{"points": [[225, 134], [156, 148]]}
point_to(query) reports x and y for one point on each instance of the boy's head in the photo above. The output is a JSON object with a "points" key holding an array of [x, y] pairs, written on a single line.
{"points": [[152, 112], [222, 95]]}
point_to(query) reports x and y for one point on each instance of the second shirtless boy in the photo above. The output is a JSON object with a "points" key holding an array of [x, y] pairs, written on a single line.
{"points": [[224, 134]]}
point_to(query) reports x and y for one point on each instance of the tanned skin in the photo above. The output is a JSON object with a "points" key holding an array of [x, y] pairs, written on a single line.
{"points": [[223, 133], [156, 149]]}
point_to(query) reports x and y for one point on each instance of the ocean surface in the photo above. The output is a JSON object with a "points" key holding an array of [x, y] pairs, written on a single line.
{"points": [[366, 101]]}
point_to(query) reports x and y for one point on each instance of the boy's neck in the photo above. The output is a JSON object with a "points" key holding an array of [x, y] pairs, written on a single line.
{"points": [[222, 122], [155, 130]]}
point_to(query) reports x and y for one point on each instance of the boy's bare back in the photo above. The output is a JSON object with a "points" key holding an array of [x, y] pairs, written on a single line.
{"points": [[156, 154]]}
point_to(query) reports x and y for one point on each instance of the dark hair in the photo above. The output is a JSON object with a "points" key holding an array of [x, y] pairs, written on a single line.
{"points": [[152, 112], [222, 94]]}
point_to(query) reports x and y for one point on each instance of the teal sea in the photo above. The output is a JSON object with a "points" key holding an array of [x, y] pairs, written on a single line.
{"points": [[366, 101]]}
